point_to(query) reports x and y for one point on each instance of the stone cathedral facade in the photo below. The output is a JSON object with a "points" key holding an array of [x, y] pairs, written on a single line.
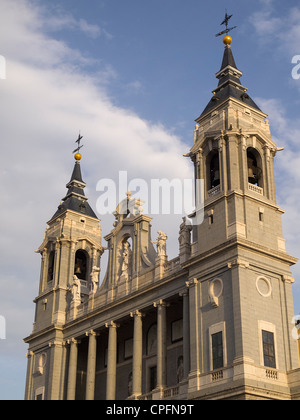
{"points": [[213, 323]]}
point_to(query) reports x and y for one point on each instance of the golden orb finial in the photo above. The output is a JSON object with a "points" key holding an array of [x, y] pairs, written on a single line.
{"points": [[78, 157], [227, 40]]}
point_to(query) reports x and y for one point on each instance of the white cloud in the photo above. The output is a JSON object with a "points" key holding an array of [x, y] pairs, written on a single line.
{"points": [[54, 19], [282, 30], [134, 87], [264, 24]]}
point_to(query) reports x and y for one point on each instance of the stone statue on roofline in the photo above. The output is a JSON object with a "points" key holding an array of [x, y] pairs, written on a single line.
{"points": [[161, 244]]}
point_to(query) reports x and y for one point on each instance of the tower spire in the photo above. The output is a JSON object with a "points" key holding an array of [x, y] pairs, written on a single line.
{"points": [[229, 75], [75, 199]]}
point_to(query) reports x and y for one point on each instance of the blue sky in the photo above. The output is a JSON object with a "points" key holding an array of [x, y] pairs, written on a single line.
{"points": [[132, 76]]}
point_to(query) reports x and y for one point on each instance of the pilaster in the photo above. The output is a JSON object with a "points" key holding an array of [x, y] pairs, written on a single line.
{"points": [[186, 332], [28, 389], [57, 369], [91, 366], [161, 345], [111, 361], [72, 374], [137, 353], [195, 334]]}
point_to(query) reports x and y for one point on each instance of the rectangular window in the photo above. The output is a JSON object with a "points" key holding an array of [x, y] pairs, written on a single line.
{"points": [[217, 350], [177, 330], [128, 349], [153, 378], [39, 394], [268, 349]]}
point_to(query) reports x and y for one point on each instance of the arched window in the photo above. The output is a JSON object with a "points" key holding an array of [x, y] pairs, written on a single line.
{"points": [[214, 171], [254, 167], [81, 263]]}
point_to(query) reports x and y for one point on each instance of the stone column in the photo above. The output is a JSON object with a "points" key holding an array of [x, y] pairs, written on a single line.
{"points": [[233, 169], [244, 164], [43, 277], [71, 393], [137, 353], [111, 361], [267, 173], [56, 263], [161, 344], [28, 390], [186, 332], [223, 164], [91, 366]]}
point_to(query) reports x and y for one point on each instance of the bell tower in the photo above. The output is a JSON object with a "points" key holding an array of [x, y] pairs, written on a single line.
{"points": [[71, 252], [233, 152], [238, 256], [71, 247]]}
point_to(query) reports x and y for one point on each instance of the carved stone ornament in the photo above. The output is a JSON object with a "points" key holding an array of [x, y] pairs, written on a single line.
{"points": [[215, 291], [263, 286], [42, 363]]}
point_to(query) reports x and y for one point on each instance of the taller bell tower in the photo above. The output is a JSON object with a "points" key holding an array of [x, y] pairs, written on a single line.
{"points": [[239, 267], [233, 152]]}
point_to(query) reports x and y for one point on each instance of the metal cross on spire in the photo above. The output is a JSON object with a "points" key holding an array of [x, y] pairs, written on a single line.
{"points": [[78, 142], [225, 22], [78, 155]]}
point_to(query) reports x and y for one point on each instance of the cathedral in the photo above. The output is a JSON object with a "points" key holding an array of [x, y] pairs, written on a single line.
{"points": [[215, 323]]}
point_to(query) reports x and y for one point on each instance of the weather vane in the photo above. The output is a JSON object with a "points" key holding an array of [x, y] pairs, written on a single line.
{"points": [[225, 22], [78, 141]]}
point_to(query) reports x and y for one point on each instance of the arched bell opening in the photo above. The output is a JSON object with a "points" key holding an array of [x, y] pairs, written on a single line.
{"points": [[213, 170], [50, 267], [254, 164], [81, 265]]}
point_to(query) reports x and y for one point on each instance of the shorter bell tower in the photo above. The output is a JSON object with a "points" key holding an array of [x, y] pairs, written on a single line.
{"points": [[71, 252]]}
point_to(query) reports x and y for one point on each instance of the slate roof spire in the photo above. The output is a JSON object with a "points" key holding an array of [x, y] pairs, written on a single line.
{"points": [[75, 199], [229, 82]]}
